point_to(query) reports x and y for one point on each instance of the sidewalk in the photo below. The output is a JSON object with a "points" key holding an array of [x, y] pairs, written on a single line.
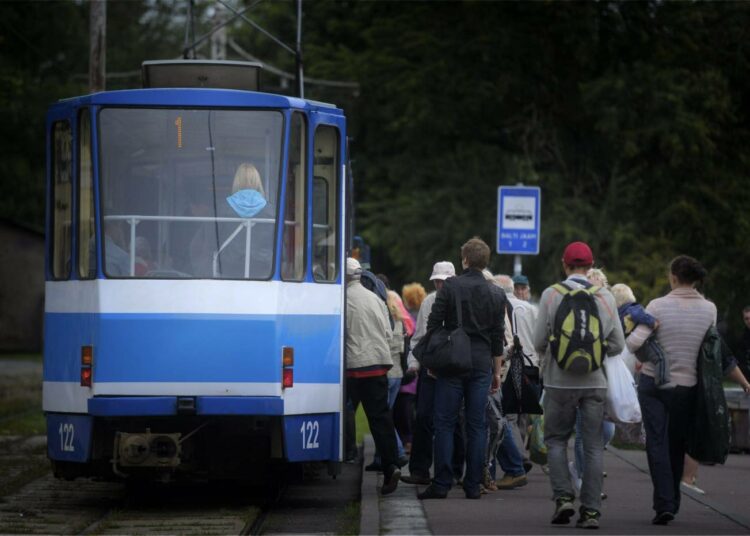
{"points": [[723, 510]]}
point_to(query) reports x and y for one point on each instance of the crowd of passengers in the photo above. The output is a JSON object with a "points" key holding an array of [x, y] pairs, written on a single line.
{"points": [[451, 429]]}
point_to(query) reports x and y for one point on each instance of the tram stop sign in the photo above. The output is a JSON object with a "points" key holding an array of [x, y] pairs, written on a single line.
{"points": [[518, 219]]}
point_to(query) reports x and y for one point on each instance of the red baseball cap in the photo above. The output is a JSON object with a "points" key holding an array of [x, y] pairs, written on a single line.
{"points": [[578, 254]]}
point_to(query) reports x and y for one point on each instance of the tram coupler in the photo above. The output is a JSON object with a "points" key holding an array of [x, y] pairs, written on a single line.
{"points": [[146, 450]]}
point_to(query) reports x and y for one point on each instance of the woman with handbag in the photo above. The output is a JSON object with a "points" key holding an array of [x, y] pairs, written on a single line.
{"points": [[465, 304], [684, 317]]}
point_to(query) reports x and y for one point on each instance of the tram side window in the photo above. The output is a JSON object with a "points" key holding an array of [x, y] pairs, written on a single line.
{"points": [[293, 249], [86, 244], [325, 203], [62, 170]]}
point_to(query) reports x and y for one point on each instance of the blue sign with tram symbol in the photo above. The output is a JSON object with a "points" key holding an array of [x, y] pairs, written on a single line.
{"points": [[518, 219], [69, 437]]}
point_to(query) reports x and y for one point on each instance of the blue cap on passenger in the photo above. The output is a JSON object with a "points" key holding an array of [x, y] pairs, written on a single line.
{"points": [[520, 280]]}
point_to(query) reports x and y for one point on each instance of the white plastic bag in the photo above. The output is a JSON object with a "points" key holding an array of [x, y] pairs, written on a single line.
{"points": [[630, 360], [622, 395]]}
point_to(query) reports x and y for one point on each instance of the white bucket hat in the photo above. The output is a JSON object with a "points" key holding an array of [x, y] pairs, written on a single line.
{"points": [[443, 270]]}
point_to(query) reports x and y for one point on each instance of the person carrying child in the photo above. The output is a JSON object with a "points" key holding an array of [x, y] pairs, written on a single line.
{"points": [[632, 314]]}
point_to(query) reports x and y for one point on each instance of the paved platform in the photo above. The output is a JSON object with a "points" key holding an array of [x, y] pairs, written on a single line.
{"points": [[724, 509]]}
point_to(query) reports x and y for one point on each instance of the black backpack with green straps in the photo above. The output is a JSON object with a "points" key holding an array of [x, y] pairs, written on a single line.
{"points": [[577, 342]]}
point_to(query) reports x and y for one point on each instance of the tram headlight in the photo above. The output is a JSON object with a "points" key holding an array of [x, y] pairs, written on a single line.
{"points": [[287, 367], [287, 356], [87, 355], [288, 379], [87, 364], [86, 377]]}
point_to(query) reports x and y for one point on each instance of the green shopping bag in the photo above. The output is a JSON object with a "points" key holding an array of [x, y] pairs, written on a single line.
{"points": [[537, 448]]}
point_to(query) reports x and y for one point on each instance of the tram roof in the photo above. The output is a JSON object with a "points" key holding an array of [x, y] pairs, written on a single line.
{"points": [[196, 97]]}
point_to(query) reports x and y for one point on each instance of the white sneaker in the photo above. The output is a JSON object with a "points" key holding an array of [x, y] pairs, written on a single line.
{"points": [[691, 487]]}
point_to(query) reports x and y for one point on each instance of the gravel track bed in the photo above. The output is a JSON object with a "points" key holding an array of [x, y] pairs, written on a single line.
{"points": [[51, 506]]}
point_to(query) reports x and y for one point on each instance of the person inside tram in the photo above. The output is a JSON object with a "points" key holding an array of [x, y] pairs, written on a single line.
{"points": [[248, 197], [116, 257], [143, 258], [248, 200]]}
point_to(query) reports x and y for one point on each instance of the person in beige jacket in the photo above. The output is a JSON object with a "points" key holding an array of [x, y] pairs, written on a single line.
{"points": [[368, 359]]}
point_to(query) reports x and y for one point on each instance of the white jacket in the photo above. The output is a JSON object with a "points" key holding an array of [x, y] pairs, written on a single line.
{"points": [[368, 328], [421, 329], [397, 347]]}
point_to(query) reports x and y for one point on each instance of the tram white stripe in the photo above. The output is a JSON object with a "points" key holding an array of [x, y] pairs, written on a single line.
{"points": [[65, 397], [70, 397], [187, 389], [313, 398], [147, 296]]}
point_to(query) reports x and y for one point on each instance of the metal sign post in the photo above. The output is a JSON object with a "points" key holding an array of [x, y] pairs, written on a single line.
{"points": [[518, 222]]}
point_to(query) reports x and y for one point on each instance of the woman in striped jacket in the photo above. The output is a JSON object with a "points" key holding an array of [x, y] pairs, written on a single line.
{"points": [[683, 316]]}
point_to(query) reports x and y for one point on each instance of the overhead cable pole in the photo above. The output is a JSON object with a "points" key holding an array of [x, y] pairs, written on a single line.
{"points": [[97, 45], [298, 53], [188, 51], [219, 37]]}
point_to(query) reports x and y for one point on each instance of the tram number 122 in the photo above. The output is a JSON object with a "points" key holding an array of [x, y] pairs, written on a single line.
{"points": [[67, 432], [310, 431]]}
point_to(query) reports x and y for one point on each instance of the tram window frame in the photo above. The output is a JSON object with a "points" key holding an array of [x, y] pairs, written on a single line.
{"points": [[298, 262], [271, 182], [86, 221], [330, 177], [61, 245]]}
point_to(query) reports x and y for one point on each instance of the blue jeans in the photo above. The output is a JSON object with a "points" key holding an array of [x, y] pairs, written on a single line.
{"points": [[608, 432], [420, 460], [504, 449], [508, 455], [449, 392], [393, 386]]}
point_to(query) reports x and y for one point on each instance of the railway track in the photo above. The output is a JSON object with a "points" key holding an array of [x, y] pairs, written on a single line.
{"points": [[81, 507], [84, 507], [32, 501]]}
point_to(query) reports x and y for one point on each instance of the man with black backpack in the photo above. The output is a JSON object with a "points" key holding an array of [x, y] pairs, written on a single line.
{"points": [[577, 327]]}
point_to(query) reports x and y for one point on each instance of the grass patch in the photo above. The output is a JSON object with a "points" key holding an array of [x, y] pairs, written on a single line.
{"points": [[348, 520], [363, 427], [29, 471], [17, 528], [25, 424], [23, 357], [20, 395]]}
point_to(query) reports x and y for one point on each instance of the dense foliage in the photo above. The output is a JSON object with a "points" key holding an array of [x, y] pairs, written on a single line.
{"points": [[631, 116]]}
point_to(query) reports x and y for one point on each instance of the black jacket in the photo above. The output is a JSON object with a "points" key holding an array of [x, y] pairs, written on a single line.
{"points": [[483, 312]]}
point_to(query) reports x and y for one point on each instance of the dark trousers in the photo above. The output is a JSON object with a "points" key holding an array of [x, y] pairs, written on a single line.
{"points": [[450, 392], [666, 417], [373, 394], [403, 416], [420, 460], [350, 430]]}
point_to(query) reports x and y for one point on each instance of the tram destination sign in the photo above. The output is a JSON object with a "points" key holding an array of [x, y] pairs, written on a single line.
{"points": [[518, 220]]}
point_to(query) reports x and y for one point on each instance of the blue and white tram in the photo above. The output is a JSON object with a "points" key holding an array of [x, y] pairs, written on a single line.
{"points": [[187, 334]]}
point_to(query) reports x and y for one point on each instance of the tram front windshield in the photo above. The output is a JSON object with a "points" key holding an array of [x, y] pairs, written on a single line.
{"points": [[189, 193]]}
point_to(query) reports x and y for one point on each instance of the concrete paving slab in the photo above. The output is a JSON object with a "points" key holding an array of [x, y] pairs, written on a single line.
{"points": [[528, 510]]}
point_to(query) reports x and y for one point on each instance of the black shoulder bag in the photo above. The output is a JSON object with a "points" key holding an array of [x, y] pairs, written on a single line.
{"points": [[446, 353], [522, 387]]}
